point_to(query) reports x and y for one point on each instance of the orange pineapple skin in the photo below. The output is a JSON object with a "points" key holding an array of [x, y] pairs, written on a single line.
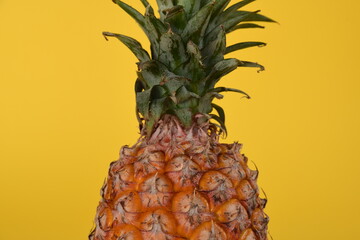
{"points": [[181, 184]]}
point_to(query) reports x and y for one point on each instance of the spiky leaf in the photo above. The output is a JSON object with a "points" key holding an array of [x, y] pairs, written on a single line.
{"points": [[184, 115], [157, 109], [219, 6], [220, 121], [245, 25], [229, 23], [234, 8], [139, 18], [150, 73], [172, 50], [220, 69], [183, 94], [157, 92], [173, 82], [176, 17], [190, 6], [251, 64], [214, 51], [197, 24], [220, 111], [243, 45], [238, 17], [132, 44], [188, 44], [139, 85], [145, 23], [143, 101], [145, 3], [157, 24], [258, 18], [225, 89], [173, 85], [147, 6], [194, 69], [205, 102], [163, 5]]}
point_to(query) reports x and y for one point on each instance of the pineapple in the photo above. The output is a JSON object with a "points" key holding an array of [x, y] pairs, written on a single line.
{"points": [[178, 181]]}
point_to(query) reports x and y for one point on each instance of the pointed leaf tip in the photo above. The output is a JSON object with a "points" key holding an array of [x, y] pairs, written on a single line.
{"points": [[243, 45], [132, 44], [225, 89], [106, 34], [139, 18], [251, 64], [198, 23]]}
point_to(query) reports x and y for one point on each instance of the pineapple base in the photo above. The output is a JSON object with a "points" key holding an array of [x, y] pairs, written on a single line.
{"points": [[181, 184]]}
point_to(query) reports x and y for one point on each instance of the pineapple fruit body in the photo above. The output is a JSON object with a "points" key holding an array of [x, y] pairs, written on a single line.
{"points": [[181, 184], [178, 181]]}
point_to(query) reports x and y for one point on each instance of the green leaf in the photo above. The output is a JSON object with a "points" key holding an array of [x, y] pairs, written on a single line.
{"points": [[143, 101], [157, 92], [190, 6], [227, 24], [172, 50], [224, 67], [150, 72], [245, 25], [220, 69], [132, 44], [184, 115], [205, 102], [220, 111], [173, 85], [219, 6], [235, 7], [225, 89], [251, 64], [153, 35], [220, 121], [145, 23], [176, 17], [139, 85], [157, 109], [139, 18], [145, 3], [197, 24], [174, 82], [156, 23], [151, 104], [238, 17], [183, 94], [214, 51], [156, 29], [194, 69], [243, 45], [163, 5], [194, 50], [190, 103], [147, 6], [258, 18]]}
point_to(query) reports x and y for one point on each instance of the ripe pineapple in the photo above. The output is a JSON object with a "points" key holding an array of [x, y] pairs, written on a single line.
{"points": [[178, 182]]}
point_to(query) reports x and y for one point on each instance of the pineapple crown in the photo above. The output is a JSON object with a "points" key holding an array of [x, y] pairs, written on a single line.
{"points": [[188, 45]]}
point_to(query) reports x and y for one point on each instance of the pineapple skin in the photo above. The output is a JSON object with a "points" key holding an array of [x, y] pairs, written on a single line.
{"points": [[181, 183]]}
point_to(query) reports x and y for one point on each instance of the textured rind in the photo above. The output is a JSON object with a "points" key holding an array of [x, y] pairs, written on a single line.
{"points": [[181, 184]]}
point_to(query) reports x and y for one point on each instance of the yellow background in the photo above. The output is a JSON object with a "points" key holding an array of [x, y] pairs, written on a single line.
{"points": [[67, 106]]}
